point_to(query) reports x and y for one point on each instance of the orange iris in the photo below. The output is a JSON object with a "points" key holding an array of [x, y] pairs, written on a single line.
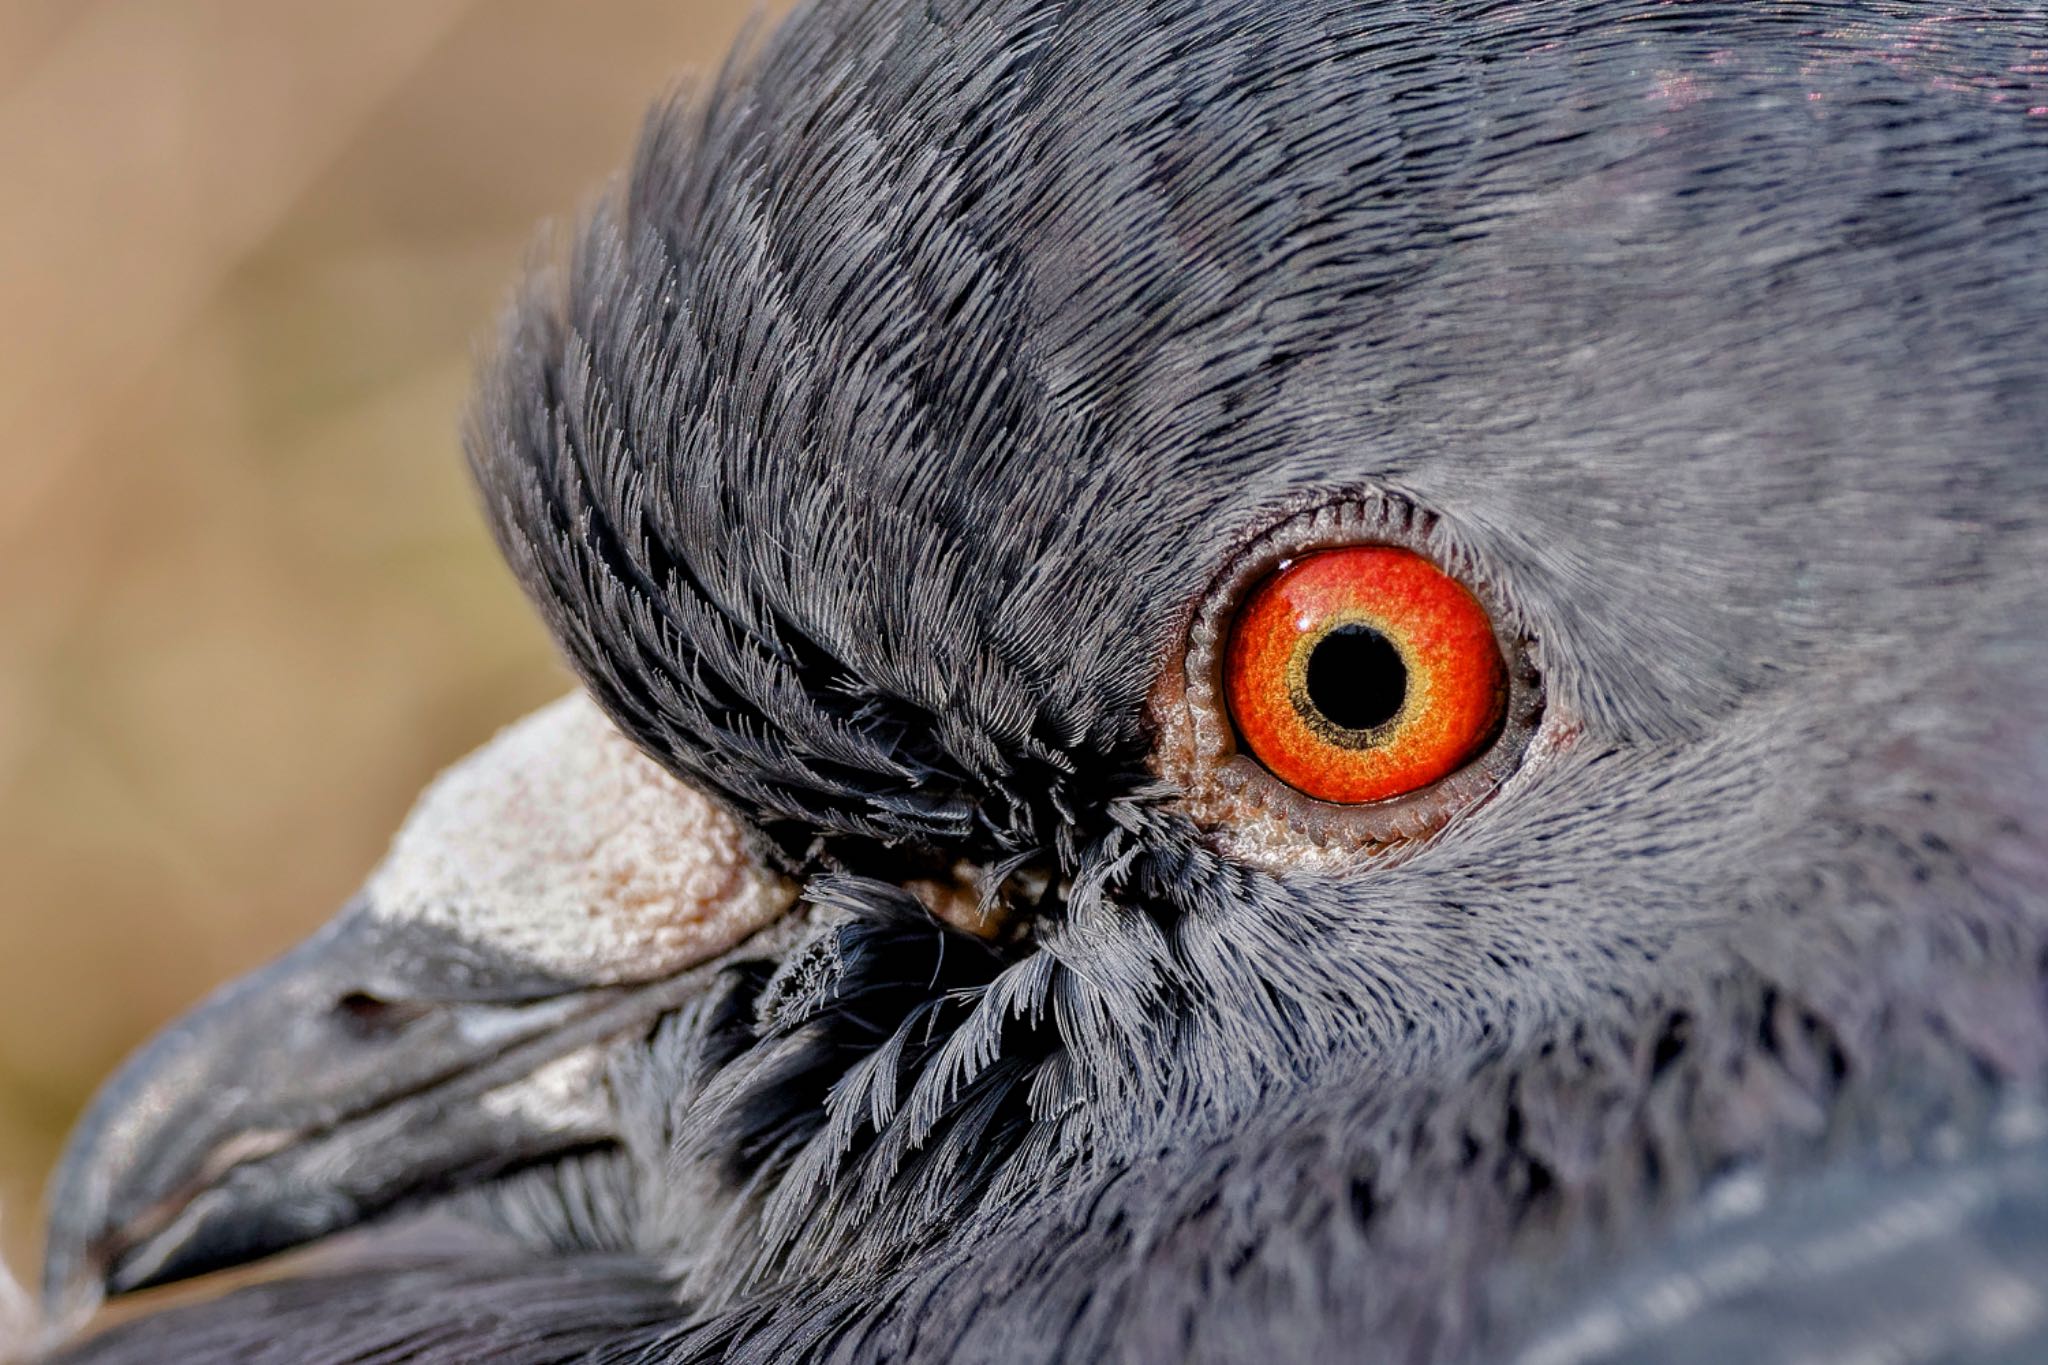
{"points": [[1364, 673]]}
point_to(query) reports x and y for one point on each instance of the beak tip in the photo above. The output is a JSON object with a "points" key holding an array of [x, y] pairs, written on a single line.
{"points": [[73, 1290], [28, 1326], [74, 1279]]}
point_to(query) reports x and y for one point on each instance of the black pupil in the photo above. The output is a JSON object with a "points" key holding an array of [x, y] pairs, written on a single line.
{"points": [[1356, 678]]}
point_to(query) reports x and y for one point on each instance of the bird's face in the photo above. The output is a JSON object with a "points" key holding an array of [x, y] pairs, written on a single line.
{"points": [[1357, 662]]}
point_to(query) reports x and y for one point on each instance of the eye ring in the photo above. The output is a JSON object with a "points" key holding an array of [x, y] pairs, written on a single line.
{"points": [[1249, 807]]}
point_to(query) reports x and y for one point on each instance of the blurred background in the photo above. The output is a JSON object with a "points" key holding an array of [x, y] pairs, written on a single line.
{"points": [[248, 249]]}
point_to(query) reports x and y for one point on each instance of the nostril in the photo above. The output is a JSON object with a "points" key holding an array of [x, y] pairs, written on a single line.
{"points": [[371, 1017]]}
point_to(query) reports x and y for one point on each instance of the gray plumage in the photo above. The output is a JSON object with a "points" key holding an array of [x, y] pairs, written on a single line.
{"points": [[868, 456]]}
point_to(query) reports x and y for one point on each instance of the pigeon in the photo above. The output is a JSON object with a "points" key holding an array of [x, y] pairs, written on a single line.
{"points": [[1288, 682]]}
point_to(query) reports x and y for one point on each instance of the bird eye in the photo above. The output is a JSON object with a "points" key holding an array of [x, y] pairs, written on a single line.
{"points": [[1351, 681], [1362, 674]]}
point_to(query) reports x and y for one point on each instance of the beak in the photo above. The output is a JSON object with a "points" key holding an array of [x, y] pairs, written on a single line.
{"points": [[407, 1050]]}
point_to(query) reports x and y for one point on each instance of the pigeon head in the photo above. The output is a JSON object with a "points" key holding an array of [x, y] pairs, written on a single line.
{"points": [[1257, 678]]}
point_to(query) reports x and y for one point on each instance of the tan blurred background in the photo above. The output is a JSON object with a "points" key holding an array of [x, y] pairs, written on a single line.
{"points": [[247, 248]]}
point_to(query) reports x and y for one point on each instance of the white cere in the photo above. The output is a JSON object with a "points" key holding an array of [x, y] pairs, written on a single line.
{"points": [[559, 844]]}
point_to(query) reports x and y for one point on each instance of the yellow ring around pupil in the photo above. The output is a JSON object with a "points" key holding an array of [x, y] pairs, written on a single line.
{"points": [[1313, 716]]}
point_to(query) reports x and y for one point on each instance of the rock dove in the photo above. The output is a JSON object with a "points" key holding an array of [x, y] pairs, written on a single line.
{"points": [[1263, 681]]}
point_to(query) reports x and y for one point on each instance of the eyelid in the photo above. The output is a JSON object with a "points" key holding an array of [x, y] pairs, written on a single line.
{"points": [[1251, 813]]}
